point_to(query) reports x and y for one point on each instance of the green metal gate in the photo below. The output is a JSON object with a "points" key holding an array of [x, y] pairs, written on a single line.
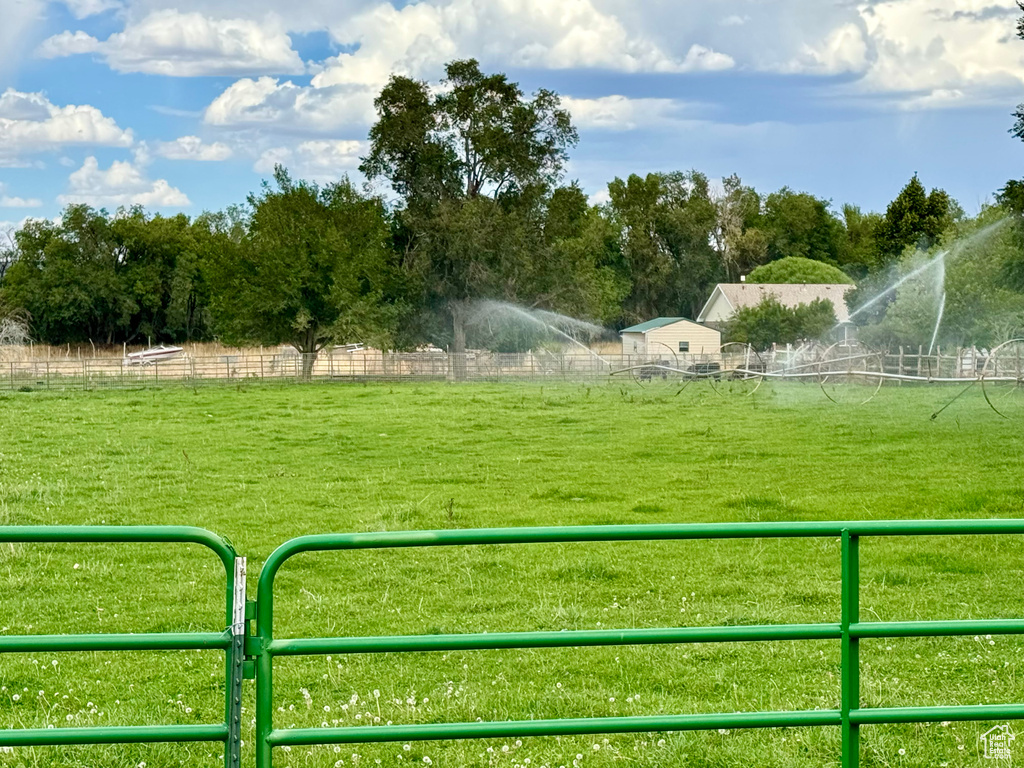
{"points": [[230, 640], [849, 630], [252, 654]]}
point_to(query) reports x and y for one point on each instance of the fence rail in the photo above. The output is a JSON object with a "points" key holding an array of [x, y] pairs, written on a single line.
{"points": [[250, 651], [849, 630], [230, 641], [370, 365]]}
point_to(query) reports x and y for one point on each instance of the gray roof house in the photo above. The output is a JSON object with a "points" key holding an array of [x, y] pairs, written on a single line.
{"points": [[728, 297]]}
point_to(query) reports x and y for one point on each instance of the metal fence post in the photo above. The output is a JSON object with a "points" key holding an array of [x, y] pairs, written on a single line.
{"points": [[850, 652], [233, 715]]}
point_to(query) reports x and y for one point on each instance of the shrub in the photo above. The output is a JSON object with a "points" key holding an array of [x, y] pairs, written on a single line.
{"points": [[794, 269]]}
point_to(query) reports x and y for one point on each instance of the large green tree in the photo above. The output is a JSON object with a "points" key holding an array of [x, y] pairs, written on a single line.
{"points": [[666, 225], [858, 255], [803, 226], [474, 163], [127, 277], [314, 268], [915, 218], [738, 238]]}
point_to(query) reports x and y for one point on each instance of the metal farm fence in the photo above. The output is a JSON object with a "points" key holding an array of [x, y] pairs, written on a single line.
{"points": [[734, 361], [230, 640], [261, 647]]}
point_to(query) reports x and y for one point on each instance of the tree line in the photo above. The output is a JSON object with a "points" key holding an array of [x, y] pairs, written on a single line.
{"points": [[481, 211]]}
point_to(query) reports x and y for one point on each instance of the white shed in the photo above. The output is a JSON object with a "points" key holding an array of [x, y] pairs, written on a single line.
{"points": [[670, 333]]}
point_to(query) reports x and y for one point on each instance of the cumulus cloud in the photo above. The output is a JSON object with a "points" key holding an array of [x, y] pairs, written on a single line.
{"points": [[937, 54], [123, 183], [80, 9], [30, 122], [67, 43], [417, 39], [620, 113], [8, 201], [19, 202], [844, 49], [323, 160], [284, 106], [193, 148], [175, 44]]}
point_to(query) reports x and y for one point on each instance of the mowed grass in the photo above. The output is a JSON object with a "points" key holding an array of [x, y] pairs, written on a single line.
{"points": [[261, 465]]}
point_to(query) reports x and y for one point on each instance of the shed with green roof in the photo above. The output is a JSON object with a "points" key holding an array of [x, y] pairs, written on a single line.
{"points": [[676, 334]]}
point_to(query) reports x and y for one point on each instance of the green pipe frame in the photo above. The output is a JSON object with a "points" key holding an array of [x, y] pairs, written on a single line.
{"points": [[848, 631], [260, 647], [228, 732]]}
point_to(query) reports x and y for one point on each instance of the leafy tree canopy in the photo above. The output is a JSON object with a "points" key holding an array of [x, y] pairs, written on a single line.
{"points": [[126, 277], [313, 269], [793, 269], [914, 219], [476, 163], [771, 322], [800, 225]]}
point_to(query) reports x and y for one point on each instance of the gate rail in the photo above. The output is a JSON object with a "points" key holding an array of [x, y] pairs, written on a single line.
{"points": [[849, 630], [230, 640], [261, 647]]}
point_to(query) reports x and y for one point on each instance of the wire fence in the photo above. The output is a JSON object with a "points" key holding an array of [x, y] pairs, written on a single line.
{"points": [[732, 362]]}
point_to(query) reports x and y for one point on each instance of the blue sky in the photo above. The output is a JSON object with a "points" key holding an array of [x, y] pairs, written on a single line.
{"points": [[185, 105]]}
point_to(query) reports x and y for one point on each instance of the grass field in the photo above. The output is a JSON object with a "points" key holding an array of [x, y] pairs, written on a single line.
{"points": [[263, 464]]}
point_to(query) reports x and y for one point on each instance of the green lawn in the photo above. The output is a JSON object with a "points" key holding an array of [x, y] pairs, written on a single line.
{"points": [[261, 465]]}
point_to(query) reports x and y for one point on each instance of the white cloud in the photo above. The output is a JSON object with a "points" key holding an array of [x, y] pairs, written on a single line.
{"points": [[418, 38], [193, 148], [175, 44], [8, 201], [324, 160], [701, 59], [18, 22], [30, 122], [80, 9], [67, 44], [620, 113], [284, 106], [19, 202], [960, 45], [844, 49], [120, 185]]}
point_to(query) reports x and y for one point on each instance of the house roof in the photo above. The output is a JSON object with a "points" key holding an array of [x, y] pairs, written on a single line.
{"points": [[658, 322], [788, 294]]}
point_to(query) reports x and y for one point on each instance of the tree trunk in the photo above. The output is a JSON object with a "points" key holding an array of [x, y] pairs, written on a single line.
{"points": [[308, 349], [308, 361], [459, 310]]}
